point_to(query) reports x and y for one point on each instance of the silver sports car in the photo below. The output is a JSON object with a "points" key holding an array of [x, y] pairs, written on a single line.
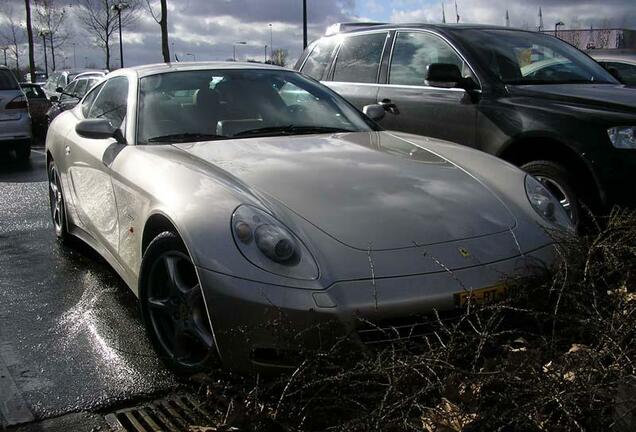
{"points": [[256, 214]]}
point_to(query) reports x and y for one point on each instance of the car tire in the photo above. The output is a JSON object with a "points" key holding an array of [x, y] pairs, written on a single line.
{"points": [[23, 152], [558, 180], [173, 307], [57, 203]]}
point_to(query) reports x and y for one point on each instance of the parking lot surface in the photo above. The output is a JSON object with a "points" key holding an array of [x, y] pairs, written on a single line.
{"points": [[71, 338]]}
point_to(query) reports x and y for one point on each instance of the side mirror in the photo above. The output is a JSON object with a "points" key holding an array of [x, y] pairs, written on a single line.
{"points": [[54, 98], [615, 73], [99, 129], [445, 75], [59, 90], [375, 112]]}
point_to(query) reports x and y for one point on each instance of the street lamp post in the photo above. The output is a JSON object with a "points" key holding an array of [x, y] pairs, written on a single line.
{"points": [[304, 24], [44, 34], [271, 44], [120, 7], [556, 27], [74, 56], [264, 58], [234, 46]]}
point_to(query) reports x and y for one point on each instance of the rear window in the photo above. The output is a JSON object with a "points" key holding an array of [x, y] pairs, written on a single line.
{"points": [[7, 80]]}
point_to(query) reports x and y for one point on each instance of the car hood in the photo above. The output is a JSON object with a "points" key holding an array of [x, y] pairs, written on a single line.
{"points": [[366, 190], [607, 96]]}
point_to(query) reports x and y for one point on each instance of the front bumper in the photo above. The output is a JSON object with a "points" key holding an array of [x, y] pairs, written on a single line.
{"points": [[616, 175], [254, 323]]}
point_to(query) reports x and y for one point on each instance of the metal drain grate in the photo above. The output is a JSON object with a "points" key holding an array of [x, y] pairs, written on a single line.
{"points": [[174, 414]]}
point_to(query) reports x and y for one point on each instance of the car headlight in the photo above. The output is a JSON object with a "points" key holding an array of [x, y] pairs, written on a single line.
{"points": [[268, 244], [623, 137], [545, 204]]}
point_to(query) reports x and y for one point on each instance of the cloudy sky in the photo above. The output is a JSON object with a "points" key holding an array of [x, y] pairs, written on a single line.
{"points": [[207, 29]]}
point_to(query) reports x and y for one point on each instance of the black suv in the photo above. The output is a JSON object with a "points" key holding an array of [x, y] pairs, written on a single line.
{"points": [[526, 97]]}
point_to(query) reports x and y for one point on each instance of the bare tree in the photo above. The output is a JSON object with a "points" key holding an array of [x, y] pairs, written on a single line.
{"points": [[162, 20], [100, 21], [13, 36], [29, 26], [50, 16], [280, 57]]}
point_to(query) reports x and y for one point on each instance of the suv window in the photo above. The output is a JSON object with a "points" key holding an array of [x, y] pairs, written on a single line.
{"points": [[413, 52], [359, 58], [7, 80], [112, 101], [318, 60], [51, 83]]}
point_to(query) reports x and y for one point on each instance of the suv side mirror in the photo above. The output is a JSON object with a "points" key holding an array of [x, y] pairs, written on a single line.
{"points": [[99, 129], [54, 98], [445, 75], [59, 90], [375, 112]]}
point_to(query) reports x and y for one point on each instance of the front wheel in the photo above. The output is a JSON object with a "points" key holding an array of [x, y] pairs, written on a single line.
{"points": [[557, 180], [56, 202], [173, 307]]}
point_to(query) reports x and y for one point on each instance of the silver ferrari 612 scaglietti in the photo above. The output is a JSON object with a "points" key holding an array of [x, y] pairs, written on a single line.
{"points": [[244, 204]]}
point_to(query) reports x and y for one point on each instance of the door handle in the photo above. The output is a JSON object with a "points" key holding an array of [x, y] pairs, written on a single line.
{"points": [[67, 150], [389, 106]]}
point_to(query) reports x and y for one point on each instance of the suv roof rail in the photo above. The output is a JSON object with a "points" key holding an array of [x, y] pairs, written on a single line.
{"points": [[346, 26]]}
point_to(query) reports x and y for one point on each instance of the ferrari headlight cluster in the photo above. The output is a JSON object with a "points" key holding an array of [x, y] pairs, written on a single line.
{"points": [[544, 203], [268, 244], [623, 137]]}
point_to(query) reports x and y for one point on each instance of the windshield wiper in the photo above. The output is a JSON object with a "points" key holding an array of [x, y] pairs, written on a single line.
{"points": [[290, 130], [186, 137]]}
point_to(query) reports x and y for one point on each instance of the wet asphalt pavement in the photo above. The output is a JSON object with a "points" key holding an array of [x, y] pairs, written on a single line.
{"points": [[70, 332]]}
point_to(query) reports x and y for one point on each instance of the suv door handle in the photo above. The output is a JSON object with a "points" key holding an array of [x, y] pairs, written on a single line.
{"points": [[389, 106]]}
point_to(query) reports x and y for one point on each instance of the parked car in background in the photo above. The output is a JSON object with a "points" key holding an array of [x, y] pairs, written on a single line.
{"points": [[622, 62], [15, 122], [243, 204], [62, 78], [40, 78], [70, 95], [92, 74], [38, 107], [526, 97]]}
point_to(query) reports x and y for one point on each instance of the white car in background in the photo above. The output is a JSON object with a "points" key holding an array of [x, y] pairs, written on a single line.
{"points": [[15, 121]]}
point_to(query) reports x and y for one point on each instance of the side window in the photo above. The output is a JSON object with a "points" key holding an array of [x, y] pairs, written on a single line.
{"points": [[87, 103], [319, 58], [359, 58], [68, 90], [61, 82], [626, 71], [413, 52], [112, 101], [81, 88]]}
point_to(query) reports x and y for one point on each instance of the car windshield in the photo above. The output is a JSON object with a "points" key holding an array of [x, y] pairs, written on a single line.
{"points": [[202, 105], [519, 57]]}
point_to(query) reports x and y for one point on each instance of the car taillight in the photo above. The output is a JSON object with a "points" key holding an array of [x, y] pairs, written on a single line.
{"points": [[19, 102]]}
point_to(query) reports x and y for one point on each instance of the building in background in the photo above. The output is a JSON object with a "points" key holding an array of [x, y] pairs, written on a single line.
{"points": [[586, 39]]}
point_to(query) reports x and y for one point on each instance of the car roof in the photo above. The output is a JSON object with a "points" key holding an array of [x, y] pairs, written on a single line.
{"points": [[627, 57], [158, 68], [443, 27]]}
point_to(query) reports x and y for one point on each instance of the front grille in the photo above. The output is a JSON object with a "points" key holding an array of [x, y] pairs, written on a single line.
{"points": [[175, 414], [406, 328]]}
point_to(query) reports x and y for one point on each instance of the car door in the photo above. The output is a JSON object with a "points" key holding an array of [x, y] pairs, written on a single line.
{"points": [[446, 113], [89, 162], [356, 68]]}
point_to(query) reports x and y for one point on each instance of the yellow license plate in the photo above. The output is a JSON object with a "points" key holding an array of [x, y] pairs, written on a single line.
{"points": [[483, 295]]}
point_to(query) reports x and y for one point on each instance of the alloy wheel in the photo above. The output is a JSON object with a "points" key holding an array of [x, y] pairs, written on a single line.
{"points": [[177, 311], [56, 200]]}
